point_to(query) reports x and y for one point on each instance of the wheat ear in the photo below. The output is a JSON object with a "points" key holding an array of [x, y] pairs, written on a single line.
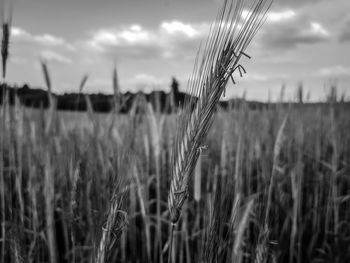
{"points": [[229, 37]]}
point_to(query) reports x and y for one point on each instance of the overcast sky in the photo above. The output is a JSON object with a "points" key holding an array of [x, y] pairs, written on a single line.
{"points": [[151, 41]]}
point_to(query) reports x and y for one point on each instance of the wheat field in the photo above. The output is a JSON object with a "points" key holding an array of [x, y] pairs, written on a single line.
{"points": [[57, 186], [199, 184]]}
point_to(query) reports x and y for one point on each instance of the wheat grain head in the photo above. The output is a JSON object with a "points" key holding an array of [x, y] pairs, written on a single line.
{"points": [[229, 37]]}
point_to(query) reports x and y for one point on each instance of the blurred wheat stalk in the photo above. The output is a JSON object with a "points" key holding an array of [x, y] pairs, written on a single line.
{"points": [[5, 42]]}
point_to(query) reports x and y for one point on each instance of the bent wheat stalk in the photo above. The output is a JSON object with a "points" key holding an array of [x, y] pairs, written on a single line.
{"points": [[228, 39]]}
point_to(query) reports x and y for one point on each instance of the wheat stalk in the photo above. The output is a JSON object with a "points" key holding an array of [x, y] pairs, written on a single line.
{"points": [[74, 174], [275, 168], [228, 39], [49, 194], [262, 249], [6, 32], [116, 89], [88, 102], [241, 229], [116, 99], [145, 217], [81, 87], [51, 98]]}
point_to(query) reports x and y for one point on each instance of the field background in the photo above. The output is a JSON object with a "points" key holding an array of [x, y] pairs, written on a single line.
{"points": [[64, 174]]}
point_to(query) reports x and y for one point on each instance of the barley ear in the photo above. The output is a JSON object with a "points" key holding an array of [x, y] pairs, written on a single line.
{"points": [[229, 37]]}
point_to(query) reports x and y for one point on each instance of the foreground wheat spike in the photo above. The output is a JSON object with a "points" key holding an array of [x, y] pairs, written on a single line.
{"points": [[234, 28], [229, 37]]}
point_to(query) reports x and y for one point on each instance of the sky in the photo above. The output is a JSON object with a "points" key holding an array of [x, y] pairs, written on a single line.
{"points": [[303, 42]]}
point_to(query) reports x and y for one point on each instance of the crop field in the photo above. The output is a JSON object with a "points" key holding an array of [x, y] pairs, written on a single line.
{"points": [[182, 179], [63, 177]]}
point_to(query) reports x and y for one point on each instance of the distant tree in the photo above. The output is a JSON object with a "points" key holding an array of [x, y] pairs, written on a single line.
{"points": [[175, 86], [174, 93]]}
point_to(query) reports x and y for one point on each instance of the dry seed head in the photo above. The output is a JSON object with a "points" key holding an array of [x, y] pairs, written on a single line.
{"points": [[213, 69]]}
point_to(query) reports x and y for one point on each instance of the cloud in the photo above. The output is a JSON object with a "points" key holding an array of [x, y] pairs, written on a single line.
{"points": [[285, 29], [49, 40], [170, 39], [280, 16], [177, 27], [50, 55], [21, 35], [297, 3], [288, 29], [18, 32], [18, 60], [145, 82], [132, 35], [334, 71], [131, 41], [345, 31]]}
